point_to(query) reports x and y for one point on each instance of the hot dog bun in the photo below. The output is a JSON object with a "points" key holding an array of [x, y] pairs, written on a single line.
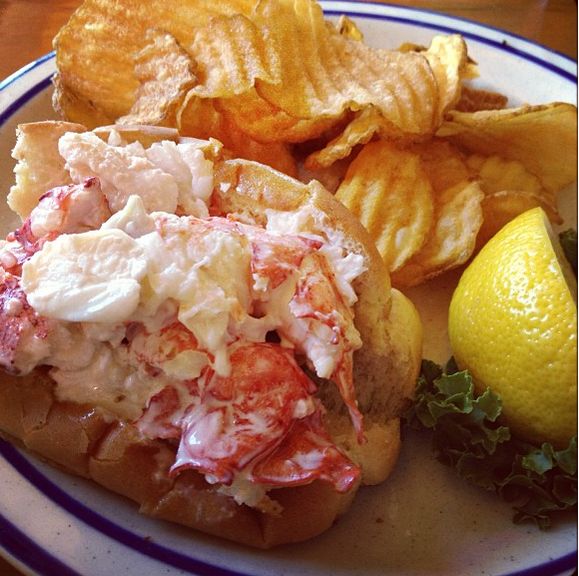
{"points": [[90, 441]]}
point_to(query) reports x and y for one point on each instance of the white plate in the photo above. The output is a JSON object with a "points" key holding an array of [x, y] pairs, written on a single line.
{"points": [[423, 521]]}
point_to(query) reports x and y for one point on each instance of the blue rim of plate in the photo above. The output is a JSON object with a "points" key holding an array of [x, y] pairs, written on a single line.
{"points": [[17, 545]]}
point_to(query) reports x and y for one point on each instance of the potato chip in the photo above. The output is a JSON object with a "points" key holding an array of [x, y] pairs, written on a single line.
{"points": [[474, 99], [497, 174], [165, 72], [543, 138], [501, 207], [324, 73], [457, 215], [265, 123], [448, 58], [96, 50], [348, 28], [76, 107], [387, 189], [359, 131], [452, 240], [469, 69], [306, 69], [232, 53], [444, 164], [200, 118]]}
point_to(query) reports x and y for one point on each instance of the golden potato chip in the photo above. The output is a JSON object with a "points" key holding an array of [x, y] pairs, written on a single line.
{"points": [[309, 72], [74, 106], [347, 27], [469, 70], [473, 99], [501, 207], [543, 138], [444, 164], [265, 123], [231, 53], [497, 174], [165, 73], [387, 189], [360, 130], [200, 119], [96, 50], [324, 73], [448, 58], [330, 177], [452, 239], [457, 215]]}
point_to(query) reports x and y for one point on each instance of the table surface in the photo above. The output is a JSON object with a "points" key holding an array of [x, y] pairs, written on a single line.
{"points": [[28, 26]]}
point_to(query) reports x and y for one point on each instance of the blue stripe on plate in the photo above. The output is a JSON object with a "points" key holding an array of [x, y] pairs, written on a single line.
{"points": [[25, 70], [552, 568], [20, 546], [26, 551], [134, 541], [502, 45], [171, 557], [26, 97]]}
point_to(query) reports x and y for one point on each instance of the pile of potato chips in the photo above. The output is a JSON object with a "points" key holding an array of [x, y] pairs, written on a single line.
{"points": [[431, 166]]}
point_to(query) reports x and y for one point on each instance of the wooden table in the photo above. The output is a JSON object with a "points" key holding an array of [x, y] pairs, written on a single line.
{"points": [[28, 26]]}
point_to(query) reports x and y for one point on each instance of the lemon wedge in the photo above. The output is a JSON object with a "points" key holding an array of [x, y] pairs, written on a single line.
{"points": [[513, 325]]}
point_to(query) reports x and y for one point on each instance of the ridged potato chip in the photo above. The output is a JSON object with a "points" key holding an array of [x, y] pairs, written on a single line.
{"points": [[389, 192], [307, 71], [165, 72], [457, 216], [95, 51], [543, 138], [448, 58], [324, 73], [474, 99], [200, 118], [365, 125], [501, 207], [232, 52], [266, 123], [497, 174]]}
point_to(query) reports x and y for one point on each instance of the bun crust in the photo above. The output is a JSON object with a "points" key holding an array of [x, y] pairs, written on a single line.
{"points": [[86, 441]]}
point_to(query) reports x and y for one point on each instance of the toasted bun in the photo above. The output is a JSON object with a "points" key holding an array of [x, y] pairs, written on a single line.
{"points": [[86, 441], [40, 167]]}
